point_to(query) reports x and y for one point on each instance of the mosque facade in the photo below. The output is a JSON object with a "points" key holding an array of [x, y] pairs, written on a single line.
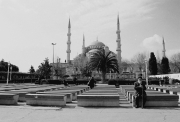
{"points": [[72, 67]]}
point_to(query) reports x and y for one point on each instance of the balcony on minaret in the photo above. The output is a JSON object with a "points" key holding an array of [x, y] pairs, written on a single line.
{"points": [[68, 51], [118, 40], [68, 42], [118, 31], [118, 49], [69, 34]]}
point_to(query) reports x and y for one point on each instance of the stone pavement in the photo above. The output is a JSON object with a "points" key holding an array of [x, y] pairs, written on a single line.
{"points": [[74, 113]]}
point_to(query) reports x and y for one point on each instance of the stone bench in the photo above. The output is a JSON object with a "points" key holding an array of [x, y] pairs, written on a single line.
{"points": [[174, 91], [22, 95], [69, 95], [170, 90], [46, 99], [86, 100], [77, 89], [155, 98], [82, 87], [102, 91], [152, 98], [8, 99], [132, 93], [160, 100], [71, 90]]}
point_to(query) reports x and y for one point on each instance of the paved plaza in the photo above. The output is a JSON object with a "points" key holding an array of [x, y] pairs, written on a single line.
{"points": [[73, 113]]}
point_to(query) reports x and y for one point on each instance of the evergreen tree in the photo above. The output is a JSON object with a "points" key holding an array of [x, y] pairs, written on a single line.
{"points": [[153, 64], [31, 70], [44, 70], [165, 69], [4, 66]]}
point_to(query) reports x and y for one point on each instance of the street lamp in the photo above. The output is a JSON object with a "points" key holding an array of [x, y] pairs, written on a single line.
{"points": [[146, 71], [53, 54], [8, 73], [53, 51]]}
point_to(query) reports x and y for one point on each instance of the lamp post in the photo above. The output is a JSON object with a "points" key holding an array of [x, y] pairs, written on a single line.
{"points": [[53, 51], [146, 72], [53, 56], [8, 73]]}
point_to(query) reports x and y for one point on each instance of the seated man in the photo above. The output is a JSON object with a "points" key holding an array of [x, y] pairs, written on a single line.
{"points": [[140, 88]]}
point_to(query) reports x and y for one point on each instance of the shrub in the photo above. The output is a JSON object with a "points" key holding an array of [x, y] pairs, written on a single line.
{"points": [[121, 81], [60, 81]]}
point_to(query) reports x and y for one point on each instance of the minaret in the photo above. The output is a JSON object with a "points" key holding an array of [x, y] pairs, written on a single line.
{"points": [[118, 44], [164, 50], [69, 42], [83, 46]]}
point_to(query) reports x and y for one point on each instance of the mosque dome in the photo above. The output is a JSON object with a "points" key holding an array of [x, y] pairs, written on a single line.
{"points": [[96, 45]]}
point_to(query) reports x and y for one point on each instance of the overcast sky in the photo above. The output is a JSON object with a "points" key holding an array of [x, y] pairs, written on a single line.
{"points": [[28, 27]]}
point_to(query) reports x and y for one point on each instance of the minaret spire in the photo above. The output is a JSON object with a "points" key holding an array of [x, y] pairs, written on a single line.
{"points": [[83, 46], [164, 49], [69, 42], [118, 49], [69, 25], [118, 25]]}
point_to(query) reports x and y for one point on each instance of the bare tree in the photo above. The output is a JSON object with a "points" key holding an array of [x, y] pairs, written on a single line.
{"points": [[127, 65], [139, 60], [175, 62]]}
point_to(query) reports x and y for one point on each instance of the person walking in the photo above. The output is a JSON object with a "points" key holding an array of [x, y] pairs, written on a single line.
{"points": [[75, 81], [91, 82]]}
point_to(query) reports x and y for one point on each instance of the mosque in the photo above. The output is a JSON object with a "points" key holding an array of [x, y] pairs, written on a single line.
{"points": [[81, 60], [71, 67]]}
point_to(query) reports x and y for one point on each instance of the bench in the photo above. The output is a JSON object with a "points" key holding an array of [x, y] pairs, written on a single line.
{"points": [[171, 90], [102, 91], [132, 93], [46, 99], [95, 100], [154, 98], [69, 95], [8, 99], [22, 95], [160, 100]]}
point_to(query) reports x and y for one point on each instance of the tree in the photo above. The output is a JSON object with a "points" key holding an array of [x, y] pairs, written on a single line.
{"points": [[127, 65], [86, 72], [44, 70], [102, 62], [4, 66], [165, 69], [175, 61], [153, 64], [31, 70], [138, 60]]}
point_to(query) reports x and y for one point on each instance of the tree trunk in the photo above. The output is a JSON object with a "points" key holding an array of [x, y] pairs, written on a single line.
{"points": [[103, 77]]}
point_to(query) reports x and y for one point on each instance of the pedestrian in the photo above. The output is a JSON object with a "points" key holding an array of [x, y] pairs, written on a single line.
{"points": [[91, 82], [65, 82], [75, 81], [140, 88]]}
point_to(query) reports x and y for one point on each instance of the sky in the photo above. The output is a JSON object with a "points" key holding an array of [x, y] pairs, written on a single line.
{"points": [[29, 27]]}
